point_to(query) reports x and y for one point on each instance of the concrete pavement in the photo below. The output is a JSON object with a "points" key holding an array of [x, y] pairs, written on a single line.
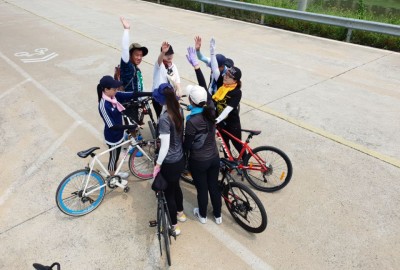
{"points": [[332, 107]]}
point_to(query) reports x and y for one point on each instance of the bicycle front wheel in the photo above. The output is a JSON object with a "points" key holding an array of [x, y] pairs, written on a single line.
{"points": [[245, 207], [69, 195], [142, 166], [278, 169]]}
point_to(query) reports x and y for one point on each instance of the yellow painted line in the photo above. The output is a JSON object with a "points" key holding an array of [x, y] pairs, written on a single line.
{"points": [[390, 160]]}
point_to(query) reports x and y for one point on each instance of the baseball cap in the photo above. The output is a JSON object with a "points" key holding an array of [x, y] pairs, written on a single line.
{"points": [[137, 46], [158, 94], [220, 59], [196, 93], [109, 82], [229, 63], [235, 72]]}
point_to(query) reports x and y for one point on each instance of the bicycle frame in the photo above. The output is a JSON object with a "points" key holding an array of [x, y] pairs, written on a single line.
{"points": [[96, 160], [261, 166]]}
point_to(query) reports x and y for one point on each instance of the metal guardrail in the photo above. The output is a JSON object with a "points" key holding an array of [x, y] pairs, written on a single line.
{"points": [[349, 23]]}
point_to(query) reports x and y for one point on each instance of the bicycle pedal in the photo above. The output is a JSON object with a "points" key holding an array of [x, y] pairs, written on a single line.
{"points": [[152, 223]]}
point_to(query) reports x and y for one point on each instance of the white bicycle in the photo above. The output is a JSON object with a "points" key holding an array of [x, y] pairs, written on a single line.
{"points": [[82, 191]]}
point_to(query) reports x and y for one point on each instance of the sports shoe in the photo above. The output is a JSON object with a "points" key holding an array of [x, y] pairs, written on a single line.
{"points": [[176, 229], [181, 217], [200, 218], [123, 175], [218, 220]]}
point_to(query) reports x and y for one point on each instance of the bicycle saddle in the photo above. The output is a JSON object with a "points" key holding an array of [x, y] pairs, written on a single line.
{"points": [[252, 132], [38, 266], [85, 153]]}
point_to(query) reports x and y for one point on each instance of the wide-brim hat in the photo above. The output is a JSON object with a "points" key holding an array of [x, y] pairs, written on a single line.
{"points": [[137, 46], [158, 93]]}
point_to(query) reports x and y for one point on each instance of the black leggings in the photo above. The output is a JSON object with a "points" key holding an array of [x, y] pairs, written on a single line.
{"points": [[114, 156], [205, 176], [173, 193]]}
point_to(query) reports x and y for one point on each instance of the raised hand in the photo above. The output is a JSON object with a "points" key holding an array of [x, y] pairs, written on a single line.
{"points": [[197, 43], [164, 47], [212, 46], [125, 23], [192, 57]]}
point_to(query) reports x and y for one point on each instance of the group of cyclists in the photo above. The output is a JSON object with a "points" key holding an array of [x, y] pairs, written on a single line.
{"points": [[183, 143]]}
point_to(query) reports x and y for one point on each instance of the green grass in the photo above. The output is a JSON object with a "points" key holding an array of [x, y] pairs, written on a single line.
{"points": [[371, 39]]}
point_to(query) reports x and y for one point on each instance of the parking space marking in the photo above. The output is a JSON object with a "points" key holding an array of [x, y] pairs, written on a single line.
{"points": [[38, 163], [233, 245], [12, 89]]}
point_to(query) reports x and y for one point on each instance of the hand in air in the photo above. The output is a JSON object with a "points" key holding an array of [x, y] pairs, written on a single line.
{"points": [[192, 57], [125, 23], [164, 47], [197, 43], [212, 46]]}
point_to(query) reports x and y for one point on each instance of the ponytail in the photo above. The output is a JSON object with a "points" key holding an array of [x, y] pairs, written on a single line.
{"points": [[208, 111], [173, 107], [99, 92]]}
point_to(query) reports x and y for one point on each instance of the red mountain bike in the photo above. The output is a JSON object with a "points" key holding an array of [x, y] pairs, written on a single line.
{"points": [[265, 167]]}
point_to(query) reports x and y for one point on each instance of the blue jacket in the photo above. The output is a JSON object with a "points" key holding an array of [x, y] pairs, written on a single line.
{"points": [[112, 117]]}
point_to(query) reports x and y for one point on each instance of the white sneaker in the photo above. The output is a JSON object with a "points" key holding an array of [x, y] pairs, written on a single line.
{"points": [[123, 175], [176, 229], [200, 218], [218, 220]]}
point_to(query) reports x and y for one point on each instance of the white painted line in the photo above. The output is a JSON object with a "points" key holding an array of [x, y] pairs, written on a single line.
{"points": [[55, 99], [43, 59], [233, 245], [38, 163], [14, 88]]}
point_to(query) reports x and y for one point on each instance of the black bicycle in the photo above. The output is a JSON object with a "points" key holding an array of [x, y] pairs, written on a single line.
{"points": [[142, 107], [164, 226], [243, 204]]}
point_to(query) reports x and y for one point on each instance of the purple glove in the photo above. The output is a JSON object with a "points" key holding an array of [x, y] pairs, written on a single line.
{"points": [[192, 56], [212, 46]]}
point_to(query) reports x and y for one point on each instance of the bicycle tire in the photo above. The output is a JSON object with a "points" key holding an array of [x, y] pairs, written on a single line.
{"points": [[245, 207], [152, 130], [165, 232], [276, 177], [73, 184], [159, 215], [142, 167]]}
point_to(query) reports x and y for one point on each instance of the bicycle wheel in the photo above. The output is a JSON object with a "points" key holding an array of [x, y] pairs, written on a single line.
{"points": [[245, 207], [278, 173], [142, 167], [69, 193], [165, 233]]}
